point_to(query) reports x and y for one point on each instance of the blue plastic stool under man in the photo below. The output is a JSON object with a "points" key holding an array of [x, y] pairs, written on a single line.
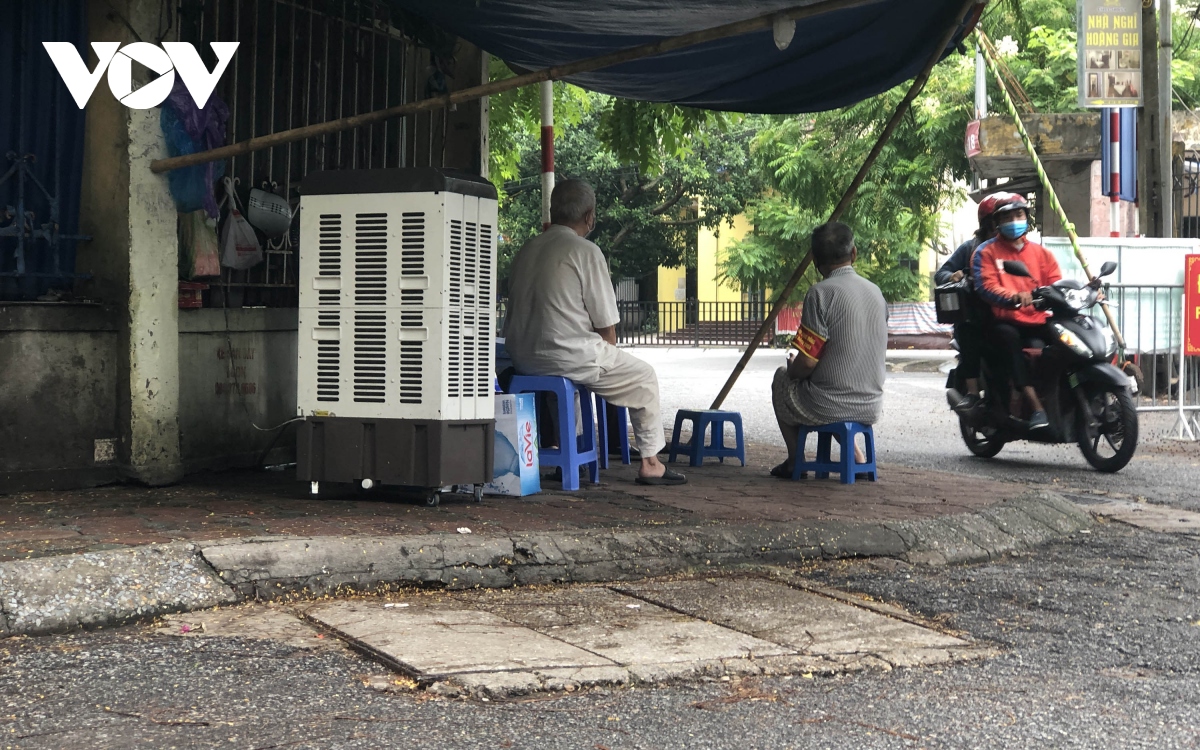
{"points": [[573, 451], [622, 431], [703, 421], [845, 465]]}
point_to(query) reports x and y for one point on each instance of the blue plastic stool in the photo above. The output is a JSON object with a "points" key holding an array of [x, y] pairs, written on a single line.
{"points": [[572, 451], [716, 448], [622, 432], [844, 466]]}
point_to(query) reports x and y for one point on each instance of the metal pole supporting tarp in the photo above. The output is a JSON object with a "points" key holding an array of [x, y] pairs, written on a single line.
{"points": [[546, 93], [556, 72], [901, 109]]}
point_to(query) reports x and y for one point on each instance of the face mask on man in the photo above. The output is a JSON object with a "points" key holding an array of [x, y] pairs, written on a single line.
{"points": [[1014, 229]]}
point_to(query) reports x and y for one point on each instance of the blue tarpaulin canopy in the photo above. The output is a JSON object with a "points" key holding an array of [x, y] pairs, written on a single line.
{"points": [[834, 59]]}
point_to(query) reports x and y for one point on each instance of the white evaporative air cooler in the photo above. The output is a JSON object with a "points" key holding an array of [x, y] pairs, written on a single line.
{"points": [[395, 351]]}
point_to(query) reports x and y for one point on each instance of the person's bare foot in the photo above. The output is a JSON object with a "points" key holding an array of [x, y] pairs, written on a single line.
{"points": [[652, 467], [859, 456], [656, 472]]}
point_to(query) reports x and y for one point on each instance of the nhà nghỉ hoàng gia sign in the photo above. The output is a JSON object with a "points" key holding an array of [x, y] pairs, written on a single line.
{"points": [[1110, 53]]}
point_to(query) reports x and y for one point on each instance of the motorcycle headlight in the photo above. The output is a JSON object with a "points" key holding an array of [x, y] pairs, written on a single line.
{"points": [[1072, 341], [1078, 299]]}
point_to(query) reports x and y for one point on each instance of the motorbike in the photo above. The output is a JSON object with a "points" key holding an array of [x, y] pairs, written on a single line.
{"points": [[1088, 400]]}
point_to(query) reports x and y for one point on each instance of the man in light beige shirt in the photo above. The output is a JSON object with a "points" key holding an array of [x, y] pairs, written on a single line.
{"points": [[562, 319]]}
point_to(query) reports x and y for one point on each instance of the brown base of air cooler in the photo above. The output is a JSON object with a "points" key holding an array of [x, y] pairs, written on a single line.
{"points": [[406, 452]]}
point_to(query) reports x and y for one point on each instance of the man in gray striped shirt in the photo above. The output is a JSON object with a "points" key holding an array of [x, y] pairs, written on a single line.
{"points": [[837, 371]]}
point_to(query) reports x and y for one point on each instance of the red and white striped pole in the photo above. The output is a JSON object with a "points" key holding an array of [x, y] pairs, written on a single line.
{"points": [[1114, 159], [547, 95]]}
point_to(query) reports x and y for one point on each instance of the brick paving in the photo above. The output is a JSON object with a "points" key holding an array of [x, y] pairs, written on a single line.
{"points": [[260, 503]]}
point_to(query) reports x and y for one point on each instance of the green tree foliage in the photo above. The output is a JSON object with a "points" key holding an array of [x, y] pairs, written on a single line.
{"points": [[650, 162], [810, 160], [647, 217], [1185, 64]]}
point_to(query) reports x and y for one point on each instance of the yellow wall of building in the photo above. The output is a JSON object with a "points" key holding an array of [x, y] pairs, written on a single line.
{"points": [[672, 288], [672, 282], [710, 245]]}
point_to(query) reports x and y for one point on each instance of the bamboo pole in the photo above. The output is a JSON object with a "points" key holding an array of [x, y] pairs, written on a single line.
{"points": [[1051, 196], [901, 109], [651, 49]]}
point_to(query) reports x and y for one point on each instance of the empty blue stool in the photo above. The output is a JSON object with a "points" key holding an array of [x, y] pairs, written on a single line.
{"points": [[573, 451], [622, 431], [845, 465], [703, 421]]}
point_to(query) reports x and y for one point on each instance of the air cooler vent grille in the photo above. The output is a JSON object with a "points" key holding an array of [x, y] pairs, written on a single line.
{"points": [[329, 370], [329, 245], [370, 259], [370, 357], [412, 364], [483, 340], [412, 243]]}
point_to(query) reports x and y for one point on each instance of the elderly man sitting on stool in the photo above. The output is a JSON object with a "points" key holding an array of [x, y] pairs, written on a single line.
{"points": [[562, 319], [838, 367]]}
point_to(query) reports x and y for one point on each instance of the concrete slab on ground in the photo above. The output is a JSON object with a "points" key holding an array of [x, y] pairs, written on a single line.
{"points": [[803, 621], [530, 639], [437, 641], [257, 621], [1159, 518], [628, 631]]}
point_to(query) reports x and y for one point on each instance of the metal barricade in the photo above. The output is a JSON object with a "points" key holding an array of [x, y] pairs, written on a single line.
{"points": [[1151, 320]]}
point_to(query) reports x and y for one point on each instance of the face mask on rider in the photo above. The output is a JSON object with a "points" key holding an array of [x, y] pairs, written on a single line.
{"points": [[1014, 229]]}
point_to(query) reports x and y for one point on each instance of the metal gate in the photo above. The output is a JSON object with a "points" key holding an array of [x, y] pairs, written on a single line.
{"points": [[307, 61], [41, 152], [1188, 184]]}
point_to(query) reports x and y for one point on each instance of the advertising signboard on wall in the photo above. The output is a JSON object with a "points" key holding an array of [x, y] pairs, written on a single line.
{"points": [[1110, 53]]}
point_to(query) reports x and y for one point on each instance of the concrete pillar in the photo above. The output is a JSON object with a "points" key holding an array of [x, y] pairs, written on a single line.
{"points": [[153, 309], [1072, 182], [133, 257]]}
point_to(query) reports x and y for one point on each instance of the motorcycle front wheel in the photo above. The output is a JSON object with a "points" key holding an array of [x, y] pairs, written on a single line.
{"points": [[1107, 429], [984, 442]]}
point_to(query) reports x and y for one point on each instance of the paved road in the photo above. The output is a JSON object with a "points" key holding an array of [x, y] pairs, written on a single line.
{"points": [[918, 429], [1098, 640]]}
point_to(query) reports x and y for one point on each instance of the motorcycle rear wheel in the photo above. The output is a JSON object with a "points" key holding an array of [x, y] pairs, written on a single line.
{"points": [[1109, 444], [983, 442]]}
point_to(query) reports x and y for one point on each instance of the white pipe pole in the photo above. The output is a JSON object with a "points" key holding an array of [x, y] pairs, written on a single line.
{"points": [[1114, 160], [547, 95], [1184, 423], [1165, 95]]}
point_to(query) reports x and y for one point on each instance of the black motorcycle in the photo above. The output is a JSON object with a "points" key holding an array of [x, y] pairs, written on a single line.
{"points": [[1086, 397]]}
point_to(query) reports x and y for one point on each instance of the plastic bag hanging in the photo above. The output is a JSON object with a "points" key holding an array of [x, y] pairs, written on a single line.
{"points": [[239, 244]]}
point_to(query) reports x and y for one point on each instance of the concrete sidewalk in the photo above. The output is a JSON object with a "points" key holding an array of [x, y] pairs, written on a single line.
{"points": [[106, 555]]}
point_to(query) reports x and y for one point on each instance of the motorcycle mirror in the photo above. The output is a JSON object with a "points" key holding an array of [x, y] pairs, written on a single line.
{"points": [[1016, 268], [1108, 268]]}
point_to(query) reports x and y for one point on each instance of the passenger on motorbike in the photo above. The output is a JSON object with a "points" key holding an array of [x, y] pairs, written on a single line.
{"points": [[969, 333], [1018, 324]]}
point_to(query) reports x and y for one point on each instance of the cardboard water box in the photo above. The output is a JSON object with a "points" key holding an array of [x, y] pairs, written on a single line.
{"points": [[516, 464]]}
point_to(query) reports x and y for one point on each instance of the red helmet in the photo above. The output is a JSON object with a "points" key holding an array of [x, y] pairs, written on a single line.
{"points": [[1011, 202], [988, 205]]}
